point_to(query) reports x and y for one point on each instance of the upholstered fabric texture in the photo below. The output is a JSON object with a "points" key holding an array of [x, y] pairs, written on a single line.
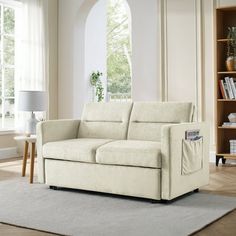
{"points": [[124, 180], [50, 131], [83, 150], [173, 182], [147, 118], [105, 120], [192, 155], [124, 148], [55, 130], [130, 153]]}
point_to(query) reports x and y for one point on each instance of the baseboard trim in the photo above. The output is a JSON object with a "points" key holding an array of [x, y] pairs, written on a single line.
{"points": [[212, 157], [10, 152]]}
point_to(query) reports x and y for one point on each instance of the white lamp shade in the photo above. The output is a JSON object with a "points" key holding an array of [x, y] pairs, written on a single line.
{"points": [[32, 101]]}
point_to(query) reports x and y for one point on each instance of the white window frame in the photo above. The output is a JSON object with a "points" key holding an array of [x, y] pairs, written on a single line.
{"points": [[11, 3], [14, 5]]}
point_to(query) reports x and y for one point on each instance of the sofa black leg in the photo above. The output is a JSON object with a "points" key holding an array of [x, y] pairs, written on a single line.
{"points": [[165, 201], [53, 187], [154, 201], [159, 201], [196, 190]]}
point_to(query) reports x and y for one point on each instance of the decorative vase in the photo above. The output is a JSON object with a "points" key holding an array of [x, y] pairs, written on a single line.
{"points": [[232, 117], [230, 63]]}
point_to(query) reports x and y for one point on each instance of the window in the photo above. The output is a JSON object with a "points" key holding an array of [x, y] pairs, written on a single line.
{"points": [[119, 68], [107, 44], [7, 66]]}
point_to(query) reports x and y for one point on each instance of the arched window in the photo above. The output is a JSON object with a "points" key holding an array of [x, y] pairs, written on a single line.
{"points": [[119, 67], [108, 49]]}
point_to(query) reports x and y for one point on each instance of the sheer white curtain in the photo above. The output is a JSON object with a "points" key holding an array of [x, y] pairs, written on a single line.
{"points": [[31, 51]]}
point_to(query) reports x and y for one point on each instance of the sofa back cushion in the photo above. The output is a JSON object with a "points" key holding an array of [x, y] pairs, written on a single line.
{"points": [[147, 118], [105, 120]]}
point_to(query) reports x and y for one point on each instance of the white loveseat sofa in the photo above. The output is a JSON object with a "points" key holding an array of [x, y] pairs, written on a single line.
{"points": [[136, 149]]}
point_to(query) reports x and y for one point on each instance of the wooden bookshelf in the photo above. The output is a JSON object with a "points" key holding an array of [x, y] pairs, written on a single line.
{"points": [[221, 127], [225, 17], [226, 100], [223, 40], [226, 72]]}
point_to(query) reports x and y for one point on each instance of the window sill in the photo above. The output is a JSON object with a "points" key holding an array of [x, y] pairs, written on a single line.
{"points": [[7, 131]]}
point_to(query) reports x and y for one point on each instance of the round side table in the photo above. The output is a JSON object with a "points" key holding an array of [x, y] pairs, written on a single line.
{"points": [[29, 141]]}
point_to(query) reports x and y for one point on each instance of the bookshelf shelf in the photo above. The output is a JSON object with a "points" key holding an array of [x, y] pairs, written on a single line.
{"points": [[223, 40], [226, 100], [221, 127], [226, 72], [225, 17]]}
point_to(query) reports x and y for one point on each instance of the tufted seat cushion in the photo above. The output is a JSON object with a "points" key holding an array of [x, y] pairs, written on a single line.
{"points": [[82, 150], [130, 153]]}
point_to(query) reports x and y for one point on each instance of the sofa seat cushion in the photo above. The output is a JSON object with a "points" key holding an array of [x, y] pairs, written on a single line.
{"points": [[82, 150], [130, 153]]}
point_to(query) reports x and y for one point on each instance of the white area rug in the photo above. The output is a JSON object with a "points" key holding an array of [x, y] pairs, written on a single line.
{"points": [[83, 213]]}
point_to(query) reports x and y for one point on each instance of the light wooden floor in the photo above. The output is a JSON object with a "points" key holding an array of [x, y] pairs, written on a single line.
{"points": [[222, 181]]}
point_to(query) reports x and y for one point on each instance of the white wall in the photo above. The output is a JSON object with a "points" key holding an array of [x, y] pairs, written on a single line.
{"points": [[53, 58], [181, 53], [173, 53], [71, 48], [95, 45], [66, 20], [188, 55], [145, 41], [188, 32], [208, 72], [225, 3]]}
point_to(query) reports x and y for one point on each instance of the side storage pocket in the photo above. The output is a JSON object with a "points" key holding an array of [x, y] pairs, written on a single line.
{"points": [[192, 156]]}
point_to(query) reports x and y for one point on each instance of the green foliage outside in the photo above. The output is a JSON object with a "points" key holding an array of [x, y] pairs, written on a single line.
{"points": [[96, 82], [9, 53], [118, 48]]}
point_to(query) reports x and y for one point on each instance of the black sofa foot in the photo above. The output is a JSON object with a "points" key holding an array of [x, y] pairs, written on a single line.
{"points": [[53, 187], [159, 201], [196, 190]]}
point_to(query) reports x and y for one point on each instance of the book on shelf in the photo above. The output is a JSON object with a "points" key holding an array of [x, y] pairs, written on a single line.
{"points": [[228, 88], [222, 89], [231, 95], [229, 124], [231, 81]]}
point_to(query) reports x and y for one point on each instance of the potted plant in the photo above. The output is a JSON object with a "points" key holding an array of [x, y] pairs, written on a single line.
{"points": [[96, 83], [231, 49]]}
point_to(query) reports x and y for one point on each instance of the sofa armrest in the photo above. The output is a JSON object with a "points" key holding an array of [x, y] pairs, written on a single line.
{"points": [[50, 131], [174, 182]]}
